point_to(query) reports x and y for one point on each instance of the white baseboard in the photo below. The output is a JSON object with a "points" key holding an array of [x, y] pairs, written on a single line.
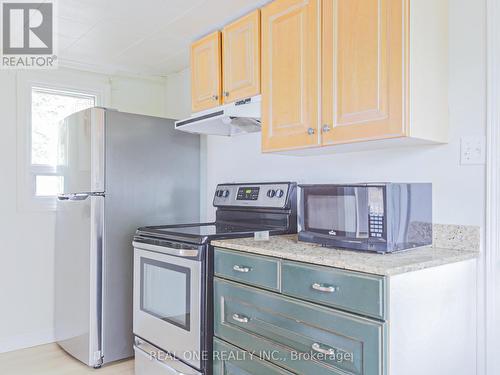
{"points": [[8, 344]]}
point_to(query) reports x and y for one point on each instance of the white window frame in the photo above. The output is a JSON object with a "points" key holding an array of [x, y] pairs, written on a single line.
{"points": [[65, 83]]}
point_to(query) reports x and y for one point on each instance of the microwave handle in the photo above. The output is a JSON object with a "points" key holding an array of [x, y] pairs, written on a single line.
{"points": [[361, 202], [357, 208]]}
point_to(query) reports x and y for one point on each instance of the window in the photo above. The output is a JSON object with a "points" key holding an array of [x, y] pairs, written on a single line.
{"points": [[43, 100], [48, 108]]}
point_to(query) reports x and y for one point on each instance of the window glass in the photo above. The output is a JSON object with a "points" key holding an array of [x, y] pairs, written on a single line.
{"points": [[48, 185], [48, 108]]}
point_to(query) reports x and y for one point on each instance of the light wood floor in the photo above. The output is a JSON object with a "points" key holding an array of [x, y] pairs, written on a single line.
{"points": [[52, 360]]}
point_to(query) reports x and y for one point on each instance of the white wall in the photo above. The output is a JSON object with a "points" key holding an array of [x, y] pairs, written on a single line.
{"points": [[178, 106], [26, 266], [141, 96], [458, 190], [178, 94]]}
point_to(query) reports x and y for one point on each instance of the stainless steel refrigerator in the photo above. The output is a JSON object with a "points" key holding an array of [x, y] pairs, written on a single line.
{"points": [[120, 171]]}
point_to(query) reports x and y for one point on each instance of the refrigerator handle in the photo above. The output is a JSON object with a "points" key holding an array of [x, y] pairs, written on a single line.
{"points": [[73, 197]]}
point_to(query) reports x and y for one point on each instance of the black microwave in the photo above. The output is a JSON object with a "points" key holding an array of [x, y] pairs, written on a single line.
{"points": [[380, 217]]}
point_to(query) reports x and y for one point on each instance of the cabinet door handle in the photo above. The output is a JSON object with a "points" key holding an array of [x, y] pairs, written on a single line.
{"points": [[310, 131], [215, 97], [241, 318], [324, 288], [326, 128], [317, 348], [242, 269], [226, 93]]}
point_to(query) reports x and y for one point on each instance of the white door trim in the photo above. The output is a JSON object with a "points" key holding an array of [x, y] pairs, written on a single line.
{"points": [[492, 248]]}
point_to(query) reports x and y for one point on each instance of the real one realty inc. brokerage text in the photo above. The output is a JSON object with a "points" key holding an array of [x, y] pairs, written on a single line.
{"points": [[270, 355]]}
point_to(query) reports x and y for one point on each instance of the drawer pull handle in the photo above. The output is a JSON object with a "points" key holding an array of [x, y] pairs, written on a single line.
{"points": [[242, 269], [317, 348], [324, 288], [240, 318]]}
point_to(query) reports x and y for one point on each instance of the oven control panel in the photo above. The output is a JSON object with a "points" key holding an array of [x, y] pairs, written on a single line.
{"points": [[272, 195], [248, 193]]}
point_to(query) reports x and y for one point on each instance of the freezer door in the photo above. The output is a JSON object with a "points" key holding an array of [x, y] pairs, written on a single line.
{"points": [[82, 151], [78, 276]]}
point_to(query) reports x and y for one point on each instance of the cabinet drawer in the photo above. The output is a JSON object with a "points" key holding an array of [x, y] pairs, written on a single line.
{"points": [[249, 269], [229, 360], [298, 336], [352, 291]]}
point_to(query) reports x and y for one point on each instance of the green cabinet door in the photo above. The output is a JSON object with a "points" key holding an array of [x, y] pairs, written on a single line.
{"points": [[229, 360], [356, 292], [247, 268], [299, 336]]}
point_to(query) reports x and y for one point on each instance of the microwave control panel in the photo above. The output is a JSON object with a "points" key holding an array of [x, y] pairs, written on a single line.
{"points": [[376, 222], [271, 195], [376, 211]]}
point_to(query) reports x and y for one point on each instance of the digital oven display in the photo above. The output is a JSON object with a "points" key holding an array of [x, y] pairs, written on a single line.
{"points": [[248, 194]]}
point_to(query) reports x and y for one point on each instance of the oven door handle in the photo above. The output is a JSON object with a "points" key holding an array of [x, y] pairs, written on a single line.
{"points": [[184, 253], [169, 365]]}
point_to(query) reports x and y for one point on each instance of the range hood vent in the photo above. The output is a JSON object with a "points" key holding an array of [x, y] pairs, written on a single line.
{"points": [[236, 118]]}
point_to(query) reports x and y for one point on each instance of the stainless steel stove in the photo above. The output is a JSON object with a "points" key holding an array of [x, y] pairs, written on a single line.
{"points": [[173, 275]]}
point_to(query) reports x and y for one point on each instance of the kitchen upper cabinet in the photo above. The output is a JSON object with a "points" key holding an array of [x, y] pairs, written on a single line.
{"points": [[241, 58], [290, 74], [363, 68], [382, 76], [206, 75]]}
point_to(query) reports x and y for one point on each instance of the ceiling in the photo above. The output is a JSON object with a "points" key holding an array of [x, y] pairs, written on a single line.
{"points": [[145, 37]]}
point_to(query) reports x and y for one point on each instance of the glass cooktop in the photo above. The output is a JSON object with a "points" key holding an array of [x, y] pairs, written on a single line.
{"points": [[200, 233]]}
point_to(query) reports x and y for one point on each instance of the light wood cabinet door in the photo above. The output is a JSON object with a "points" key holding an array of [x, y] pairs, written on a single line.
{"points": [[241, 58], [363, 55], [206, 72], [290, 74]]}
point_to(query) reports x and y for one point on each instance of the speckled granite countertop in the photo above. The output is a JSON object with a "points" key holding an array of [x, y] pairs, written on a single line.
{"points": [[451, 244]]}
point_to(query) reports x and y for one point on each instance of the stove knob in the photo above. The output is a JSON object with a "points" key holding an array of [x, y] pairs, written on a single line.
{"points": [[279, 193], [225, 193], [271, 193], [218, 193]]}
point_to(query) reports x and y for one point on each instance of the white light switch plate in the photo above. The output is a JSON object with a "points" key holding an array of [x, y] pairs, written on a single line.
{"points": [[261, 236], [473, 150]]}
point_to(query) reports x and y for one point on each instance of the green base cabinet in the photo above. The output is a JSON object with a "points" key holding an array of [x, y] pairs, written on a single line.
{"points": [[309, 319]]}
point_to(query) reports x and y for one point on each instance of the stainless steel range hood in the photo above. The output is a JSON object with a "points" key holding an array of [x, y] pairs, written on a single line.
{"points": [[240, 117]]}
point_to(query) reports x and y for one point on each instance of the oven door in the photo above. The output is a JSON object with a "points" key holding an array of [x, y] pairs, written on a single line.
{"points": [[335, 213], [167, 299]]}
